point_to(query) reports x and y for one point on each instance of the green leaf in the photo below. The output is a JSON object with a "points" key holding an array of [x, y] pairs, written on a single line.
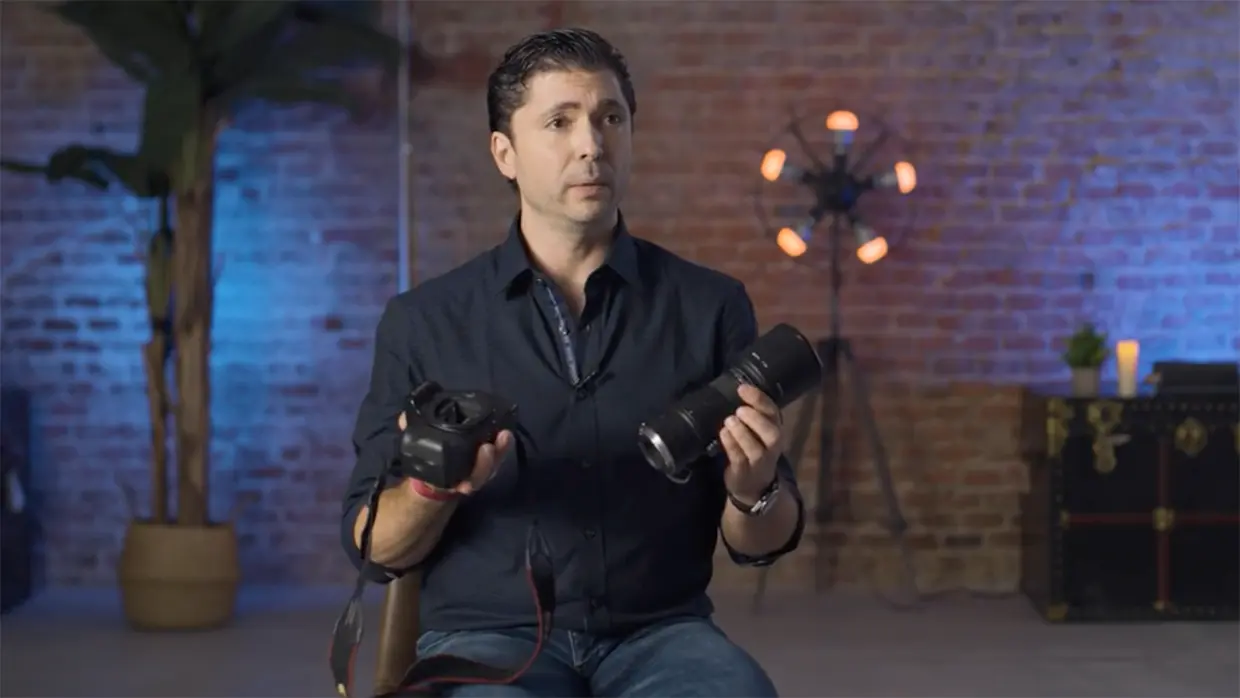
{"points": [[1087, 348], [337, 44], [171, 119], [229, 68], [134, 173], [305, 63], [85, 176], [106, 32], [365, 12], [22, 167], [300, 43], [226, 25], [144, 38], [96, 167]]}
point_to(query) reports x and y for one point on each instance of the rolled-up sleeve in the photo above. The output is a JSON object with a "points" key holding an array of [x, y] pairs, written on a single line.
{"points": [[392, 377], [739, 329]]}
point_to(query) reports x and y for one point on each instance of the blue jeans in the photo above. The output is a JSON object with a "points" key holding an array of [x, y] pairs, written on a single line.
{"points": [[680, 658]]}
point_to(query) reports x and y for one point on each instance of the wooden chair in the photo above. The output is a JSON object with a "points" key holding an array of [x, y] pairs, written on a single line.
{"points": [[398, 632]]}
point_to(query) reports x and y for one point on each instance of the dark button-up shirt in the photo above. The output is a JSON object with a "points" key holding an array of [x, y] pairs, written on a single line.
{"points": [[629, 546]]}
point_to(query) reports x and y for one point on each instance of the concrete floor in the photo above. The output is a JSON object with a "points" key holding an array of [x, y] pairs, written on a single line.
{"points": [[74, 644]]}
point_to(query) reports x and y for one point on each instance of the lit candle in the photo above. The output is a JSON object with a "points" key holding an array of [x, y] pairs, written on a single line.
{"points": [[1126, 352]]}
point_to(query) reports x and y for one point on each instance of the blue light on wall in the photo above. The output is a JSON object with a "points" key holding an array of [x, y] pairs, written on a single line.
{"points": [[1169, 276]]}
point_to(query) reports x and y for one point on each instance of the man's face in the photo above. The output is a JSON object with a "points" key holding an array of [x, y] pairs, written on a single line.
{"points": [[571, 147]]}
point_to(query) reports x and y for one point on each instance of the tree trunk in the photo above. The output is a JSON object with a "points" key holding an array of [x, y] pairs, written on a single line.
{"points": [[193, 307], [157, 400]]}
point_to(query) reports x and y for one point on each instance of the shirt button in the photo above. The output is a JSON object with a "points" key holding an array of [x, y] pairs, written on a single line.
{"points": [[596, 602], [582, 393], [585, 464], [589, 533]]}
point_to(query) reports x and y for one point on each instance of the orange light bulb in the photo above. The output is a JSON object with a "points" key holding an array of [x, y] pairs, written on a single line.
{"points": [[773, 164], [906, 177], [790, 242], [842, 121], [872, 251]]}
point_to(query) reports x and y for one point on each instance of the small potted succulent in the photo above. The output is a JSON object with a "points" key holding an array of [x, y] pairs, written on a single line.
{"points": [[1085, 354]]}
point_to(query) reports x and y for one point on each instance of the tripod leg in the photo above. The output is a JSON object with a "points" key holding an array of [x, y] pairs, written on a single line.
{"points": [[897, 525], [828, 422], [796, 451]]}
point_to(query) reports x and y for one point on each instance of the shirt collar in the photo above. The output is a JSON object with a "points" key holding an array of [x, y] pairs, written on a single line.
{"points": [[512, 262]]}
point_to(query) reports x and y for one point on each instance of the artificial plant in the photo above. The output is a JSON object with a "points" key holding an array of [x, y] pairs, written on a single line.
{"points": [[197, 62], [1087, 348]]}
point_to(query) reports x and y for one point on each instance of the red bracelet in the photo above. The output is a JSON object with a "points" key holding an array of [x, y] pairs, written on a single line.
{"points": [[427, 492]]}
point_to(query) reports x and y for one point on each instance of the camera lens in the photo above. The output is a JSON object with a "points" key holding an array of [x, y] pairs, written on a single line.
{"points": [[654, 450], [689, 430], [781, 363]]}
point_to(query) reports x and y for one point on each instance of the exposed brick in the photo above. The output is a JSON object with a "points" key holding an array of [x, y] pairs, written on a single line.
{"points": [[1057, 142]]}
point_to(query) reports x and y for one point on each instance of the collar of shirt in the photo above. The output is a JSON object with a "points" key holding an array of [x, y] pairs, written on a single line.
{"points": [[512, 261]]}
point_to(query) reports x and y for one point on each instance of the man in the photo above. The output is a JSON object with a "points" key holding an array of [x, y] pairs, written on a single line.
{"points": [[590, 331]]}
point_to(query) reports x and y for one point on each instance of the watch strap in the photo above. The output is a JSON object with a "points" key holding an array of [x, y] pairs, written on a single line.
{"points": [[764, 500], [432, 493]]}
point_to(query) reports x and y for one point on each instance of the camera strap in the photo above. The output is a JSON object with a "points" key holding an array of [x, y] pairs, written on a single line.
{"points": [[430, 675]]}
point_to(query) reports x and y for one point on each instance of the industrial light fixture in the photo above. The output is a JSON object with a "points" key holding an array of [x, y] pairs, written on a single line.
{"points": [[837, 186]]}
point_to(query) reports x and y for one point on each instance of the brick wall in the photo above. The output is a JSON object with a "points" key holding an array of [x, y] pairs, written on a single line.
{"points": [[1078, 161], [307, 249]]}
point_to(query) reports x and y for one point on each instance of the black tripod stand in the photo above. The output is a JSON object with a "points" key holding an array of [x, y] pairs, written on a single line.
{"points": [[837, 358]]}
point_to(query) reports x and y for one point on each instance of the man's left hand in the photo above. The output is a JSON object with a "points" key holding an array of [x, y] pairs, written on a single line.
{"points": [[752, 438]]}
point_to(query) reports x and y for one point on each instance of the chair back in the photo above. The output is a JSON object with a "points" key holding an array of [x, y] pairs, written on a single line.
{"points": [[398, 632]]}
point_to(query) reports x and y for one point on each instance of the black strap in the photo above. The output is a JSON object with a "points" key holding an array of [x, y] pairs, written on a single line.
{"points": [[430, 675]]}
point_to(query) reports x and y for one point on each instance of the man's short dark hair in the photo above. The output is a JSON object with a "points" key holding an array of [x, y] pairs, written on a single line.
{"points": [[559, 49]]}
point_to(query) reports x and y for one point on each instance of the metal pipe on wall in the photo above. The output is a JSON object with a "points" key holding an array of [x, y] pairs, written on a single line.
{"points": [[404, 96]]}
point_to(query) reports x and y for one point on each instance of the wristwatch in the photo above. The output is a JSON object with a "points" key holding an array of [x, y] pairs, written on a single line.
{"points": [[764, 503]]}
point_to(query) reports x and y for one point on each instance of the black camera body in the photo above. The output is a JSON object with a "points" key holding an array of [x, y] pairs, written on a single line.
{"points": [[781, 363], [444, 430]]}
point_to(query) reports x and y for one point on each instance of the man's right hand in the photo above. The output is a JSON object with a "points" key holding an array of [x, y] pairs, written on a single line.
{"points": [[490, 455]]}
